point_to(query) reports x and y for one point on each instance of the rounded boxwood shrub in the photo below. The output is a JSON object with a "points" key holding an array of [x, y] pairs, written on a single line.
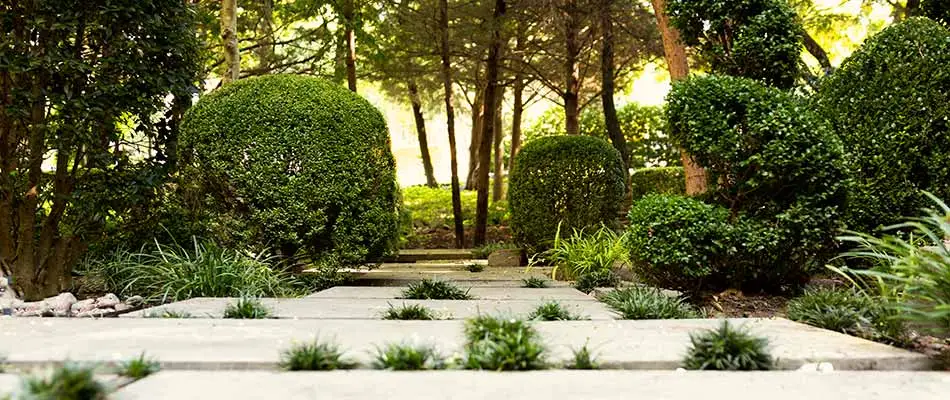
{"points": [[665, 180], [890, 104], [304, 165], [575, 182], [776, 180]]}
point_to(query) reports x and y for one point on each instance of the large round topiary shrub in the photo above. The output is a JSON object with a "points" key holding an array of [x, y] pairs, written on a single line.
{"points": [[576, 182], [890, 104], [303, 164], [665, 180], [775, 170]]}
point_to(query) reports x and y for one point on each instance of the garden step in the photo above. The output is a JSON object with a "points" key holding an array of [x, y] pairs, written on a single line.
{"points": [[558, 384], [444, 267], [204, 344], [415, 255], [373, 309], [483, 293]]}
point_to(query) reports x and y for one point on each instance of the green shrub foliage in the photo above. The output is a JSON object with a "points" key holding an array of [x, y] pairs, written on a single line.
{"points": [[777, 189], [938, 10], [306, 163], [571, 182], [664, 180], [757, 39], [890, 104]]}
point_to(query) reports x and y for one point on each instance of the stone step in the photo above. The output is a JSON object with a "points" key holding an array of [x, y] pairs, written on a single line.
{"points": [[483, 293], [490, 276], [416, 255], [400, 279], [373, 309], [600, 385], [211, 344]]}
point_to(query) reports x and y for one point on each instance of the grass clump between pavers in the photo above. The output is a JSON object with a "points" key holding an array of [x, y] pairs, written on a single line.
{"points": [[138, 368], [68, 382], [247, 308], [728, 349], [595, 279], [475, 267], [404, 357], [315, 356], [169, 314], [583, 359], [848, 311], [553, 311], [534, 282], [647, 303], [435, 289], [500, 344], [417, 312]]}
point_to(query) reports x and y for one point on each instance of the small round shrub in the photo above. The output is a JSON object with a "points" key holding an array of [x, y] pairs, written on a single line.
{"points": [[306, 164], [890, 104], [728, 349], [571, 182], [663, 180], [775, 170]]}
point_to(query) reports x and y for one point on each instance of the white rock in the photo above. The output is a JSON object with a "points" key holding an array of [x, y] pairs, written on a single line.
{"points": [[122, 307], [135, 301], [107, 301], [83, 306]]}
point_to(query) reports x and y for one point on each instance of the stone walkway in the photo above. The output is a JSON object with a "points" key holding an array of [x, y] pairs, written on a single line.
{"points": [[207, 357]]}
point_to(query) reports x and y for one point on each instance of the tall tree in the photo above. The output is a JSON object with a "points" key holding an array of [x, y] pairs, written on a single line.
{"points": [[349, 36], [570, 13], [232, 56], [446, 70], [498, 189], [421, 134], [678, 67], [484, 151], [517, 88], [607, 77]]}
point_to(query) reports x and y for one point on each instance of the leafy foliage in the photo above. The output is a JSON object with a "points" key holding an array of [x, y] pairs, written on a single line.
{"points": [[728, 349], [890, 104], [81, 144], [534, 282], [552, 311], [138, 368], [314, 356], [584, 253], [499, 344], [936, 10], [409, 312], [591, 280], [564, 183], [203, 269], [913, 277], [401, 357], [663, 180], [247, 308], [583, 360], [68, 382], [848, 311], [427, 207], [757, 39], [776, 171], [306, 163], [647, 303], [435, 289]]}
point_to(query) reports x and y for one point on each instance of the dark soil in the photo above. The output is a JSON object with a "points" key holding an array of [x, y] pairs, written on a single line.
{"points": [[444, 237], [734, 304]]}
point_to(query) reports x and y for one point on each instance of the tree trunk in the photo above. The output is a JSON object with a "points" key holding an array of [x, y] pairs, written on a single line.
{"points": [[571, 70], [478, 113], [676, 62], [350, 38], [265, 52], [232, 58], [819, 53], [484, 149], [517, 108], [450, 118], [607, 94], [497, 191], [421, 132]]}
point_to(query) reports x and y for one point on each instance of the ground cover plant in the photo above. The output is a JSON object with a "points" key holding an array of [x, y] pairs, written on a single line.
{"points": [[564, 183], [247, 308], [728, 349], [848, 311], [583, 360], [553, 311], [168, 314], [647, 303], [434, 289], [582, 253], [404, 357], [596, 279], [138, 368], [317, 355], [501, 344], [534, 282], [68, 382], [409, 312]]}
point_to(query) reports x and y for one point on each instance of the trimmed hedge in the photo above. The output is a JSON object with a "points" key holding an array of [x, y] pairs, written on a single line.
{"points": [[664, 180], [575, 181], [775, 170], [890, 104], [302, 164]]}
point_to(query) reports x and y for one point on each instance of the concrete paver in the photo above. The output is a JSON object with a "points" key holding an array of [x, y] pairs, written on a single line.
{"points": [[483, 293], [331, 308], [256, 344], [9, 384], [587, 385]]}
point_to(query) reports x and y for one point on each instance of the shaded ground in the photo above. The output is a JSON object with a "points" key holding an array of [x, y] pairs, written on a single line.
{"points": [[444, 237]]}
